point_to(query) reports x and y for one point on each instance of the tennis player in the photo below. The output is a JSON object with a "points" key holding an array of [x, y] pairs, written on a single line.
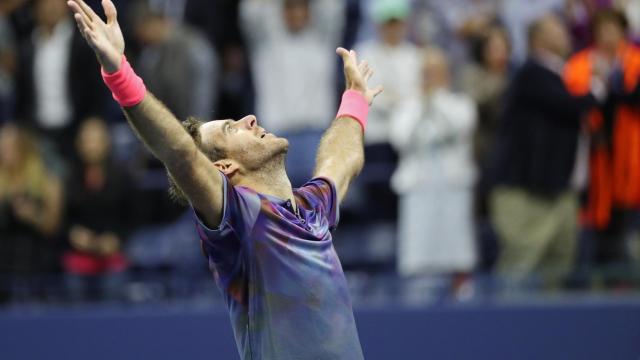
{"points": [[268, 245]]}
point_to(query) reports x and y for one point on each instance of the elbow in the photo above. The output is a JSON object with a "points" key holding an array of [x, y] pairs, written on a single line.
{"points": [[180, 154]]}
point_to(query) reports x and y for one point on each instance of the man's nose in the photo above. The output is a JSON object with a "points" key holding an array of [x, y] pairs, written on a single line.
{"points": [[249, 121]]}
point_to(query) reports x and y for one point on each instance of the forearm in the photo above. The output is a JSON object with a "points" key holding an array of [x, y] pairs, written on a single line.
{"points": [[161, 132], [341, 153]]}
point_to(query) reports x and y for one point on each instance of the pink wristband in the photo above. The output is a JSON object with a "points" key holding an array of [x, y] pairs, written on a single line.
{"points": [[355, 106], [126, 87]]}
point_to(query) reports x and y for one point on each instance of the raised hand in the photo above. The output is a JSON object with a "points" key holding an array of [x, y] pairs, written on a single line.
{"points": [[357, 75], [105, 38]]}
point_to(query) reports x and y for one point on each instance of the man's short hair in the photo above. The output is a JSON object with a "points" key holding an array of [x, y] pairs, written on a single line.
{"points": [[610, 16], [534, 29], [192, 126]]}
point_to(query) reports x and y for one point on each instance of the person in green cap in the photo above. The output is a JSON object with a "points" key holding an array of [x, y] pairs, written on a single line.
{"points": [[397, 66]]}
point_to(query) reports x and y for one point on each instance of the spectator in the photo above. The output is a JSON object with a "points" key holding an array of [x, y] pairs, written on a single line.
{"points": [[614, 194], [433, 134], [98, 216], [290, 40], [397, 64], [534, 207], [580, 15], [31, 205], [50, 97], [485, 80], [178, 63]]}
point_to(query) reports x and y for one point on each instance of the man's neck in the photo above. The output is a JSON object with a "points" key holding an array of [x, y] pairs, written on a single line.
{"points": [[270, 181]]}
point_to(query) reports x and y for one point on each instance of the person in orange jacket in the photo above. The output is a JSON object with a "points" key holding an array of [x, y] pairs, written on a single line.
{"points": [[614, 128]]}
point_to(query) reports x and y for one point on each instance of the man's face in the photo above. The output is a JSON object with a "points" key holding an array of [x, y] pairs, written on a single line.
{"points": [[150, 31], [608, 36], [296, 15], [393, 31], [555, 37], [243, 141], [49, 12], [94, 141], [435, 71], [496, 51]]}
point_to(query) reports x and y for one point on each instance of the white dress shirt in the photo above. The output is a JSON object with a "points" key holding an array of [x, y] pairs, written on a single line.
{"points": [[50, 72]]}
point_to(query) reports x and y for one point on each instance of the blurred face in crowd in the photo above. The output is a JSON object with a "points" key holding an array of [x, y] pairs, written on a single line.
{"points": [[393, 31], [151, 30], [435, 70], [552, 36], [10, 147], [48, 13], [247, 147], [93, 142], [296, 15], [496, 50], [609, 34]]}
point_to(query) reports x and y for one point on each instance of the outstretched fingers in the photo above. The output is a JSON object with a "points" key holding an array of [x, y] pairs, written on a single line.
{"points": [[344, 54], [85, 30], [365, 70], [82, 24], [377, 90], [110, 11], [79, 14], [88, 12]]}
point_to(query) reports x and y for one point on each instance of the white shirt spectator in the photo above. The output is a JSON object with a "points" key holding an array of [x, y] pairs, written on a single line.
{"points": [[51, 64], [398, 70], [282, 62], [433, 137], [434, 180]]}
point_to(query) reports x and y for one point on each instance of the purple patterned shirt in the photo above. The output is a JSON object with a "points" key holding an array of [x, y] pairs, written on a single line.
{"points": [[280, 275]]}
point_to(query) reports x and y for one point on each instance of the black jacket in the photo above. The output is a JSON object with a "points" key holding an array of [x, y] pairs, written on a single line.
{"points": [[538, 135], [87, 92]]}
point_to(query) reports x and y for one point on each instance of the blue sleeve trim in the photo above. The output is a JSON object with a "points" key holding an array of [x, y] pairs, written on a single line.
{"points": [[220, 227]]}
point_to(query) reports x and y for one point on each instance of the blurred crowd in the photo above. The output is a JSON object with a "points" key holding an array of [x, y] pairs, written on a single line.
{"points": [[507, 141]]}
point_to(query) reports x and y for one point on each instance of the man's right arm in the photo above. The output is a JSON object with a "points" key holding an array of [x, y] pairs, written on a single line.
{"points": [[154, 124], [193, 172]]}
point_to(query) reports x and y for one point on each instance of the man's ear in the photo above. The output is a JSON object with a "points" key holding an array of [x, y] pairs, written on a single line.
{"points": [[228, 167]]}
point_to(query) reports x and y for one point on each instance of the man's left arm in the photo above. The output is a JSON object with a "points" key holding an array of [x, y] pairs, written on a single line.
{"points": [[341, 153]]}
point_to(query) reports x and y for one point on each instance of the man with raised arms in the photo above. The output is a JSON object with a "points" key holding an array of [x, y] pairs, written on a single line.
{"points": [[269, 245]]}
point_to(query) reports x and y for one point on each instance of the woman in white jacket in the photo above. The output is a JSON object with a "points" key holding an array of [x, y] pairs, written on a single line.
{"points": [[433, 136]]}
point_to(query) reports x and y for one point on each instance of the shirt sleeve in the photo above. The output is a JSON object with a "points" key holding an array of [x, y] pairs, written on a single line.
{"points": [[322, 197], [225, 245]]}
